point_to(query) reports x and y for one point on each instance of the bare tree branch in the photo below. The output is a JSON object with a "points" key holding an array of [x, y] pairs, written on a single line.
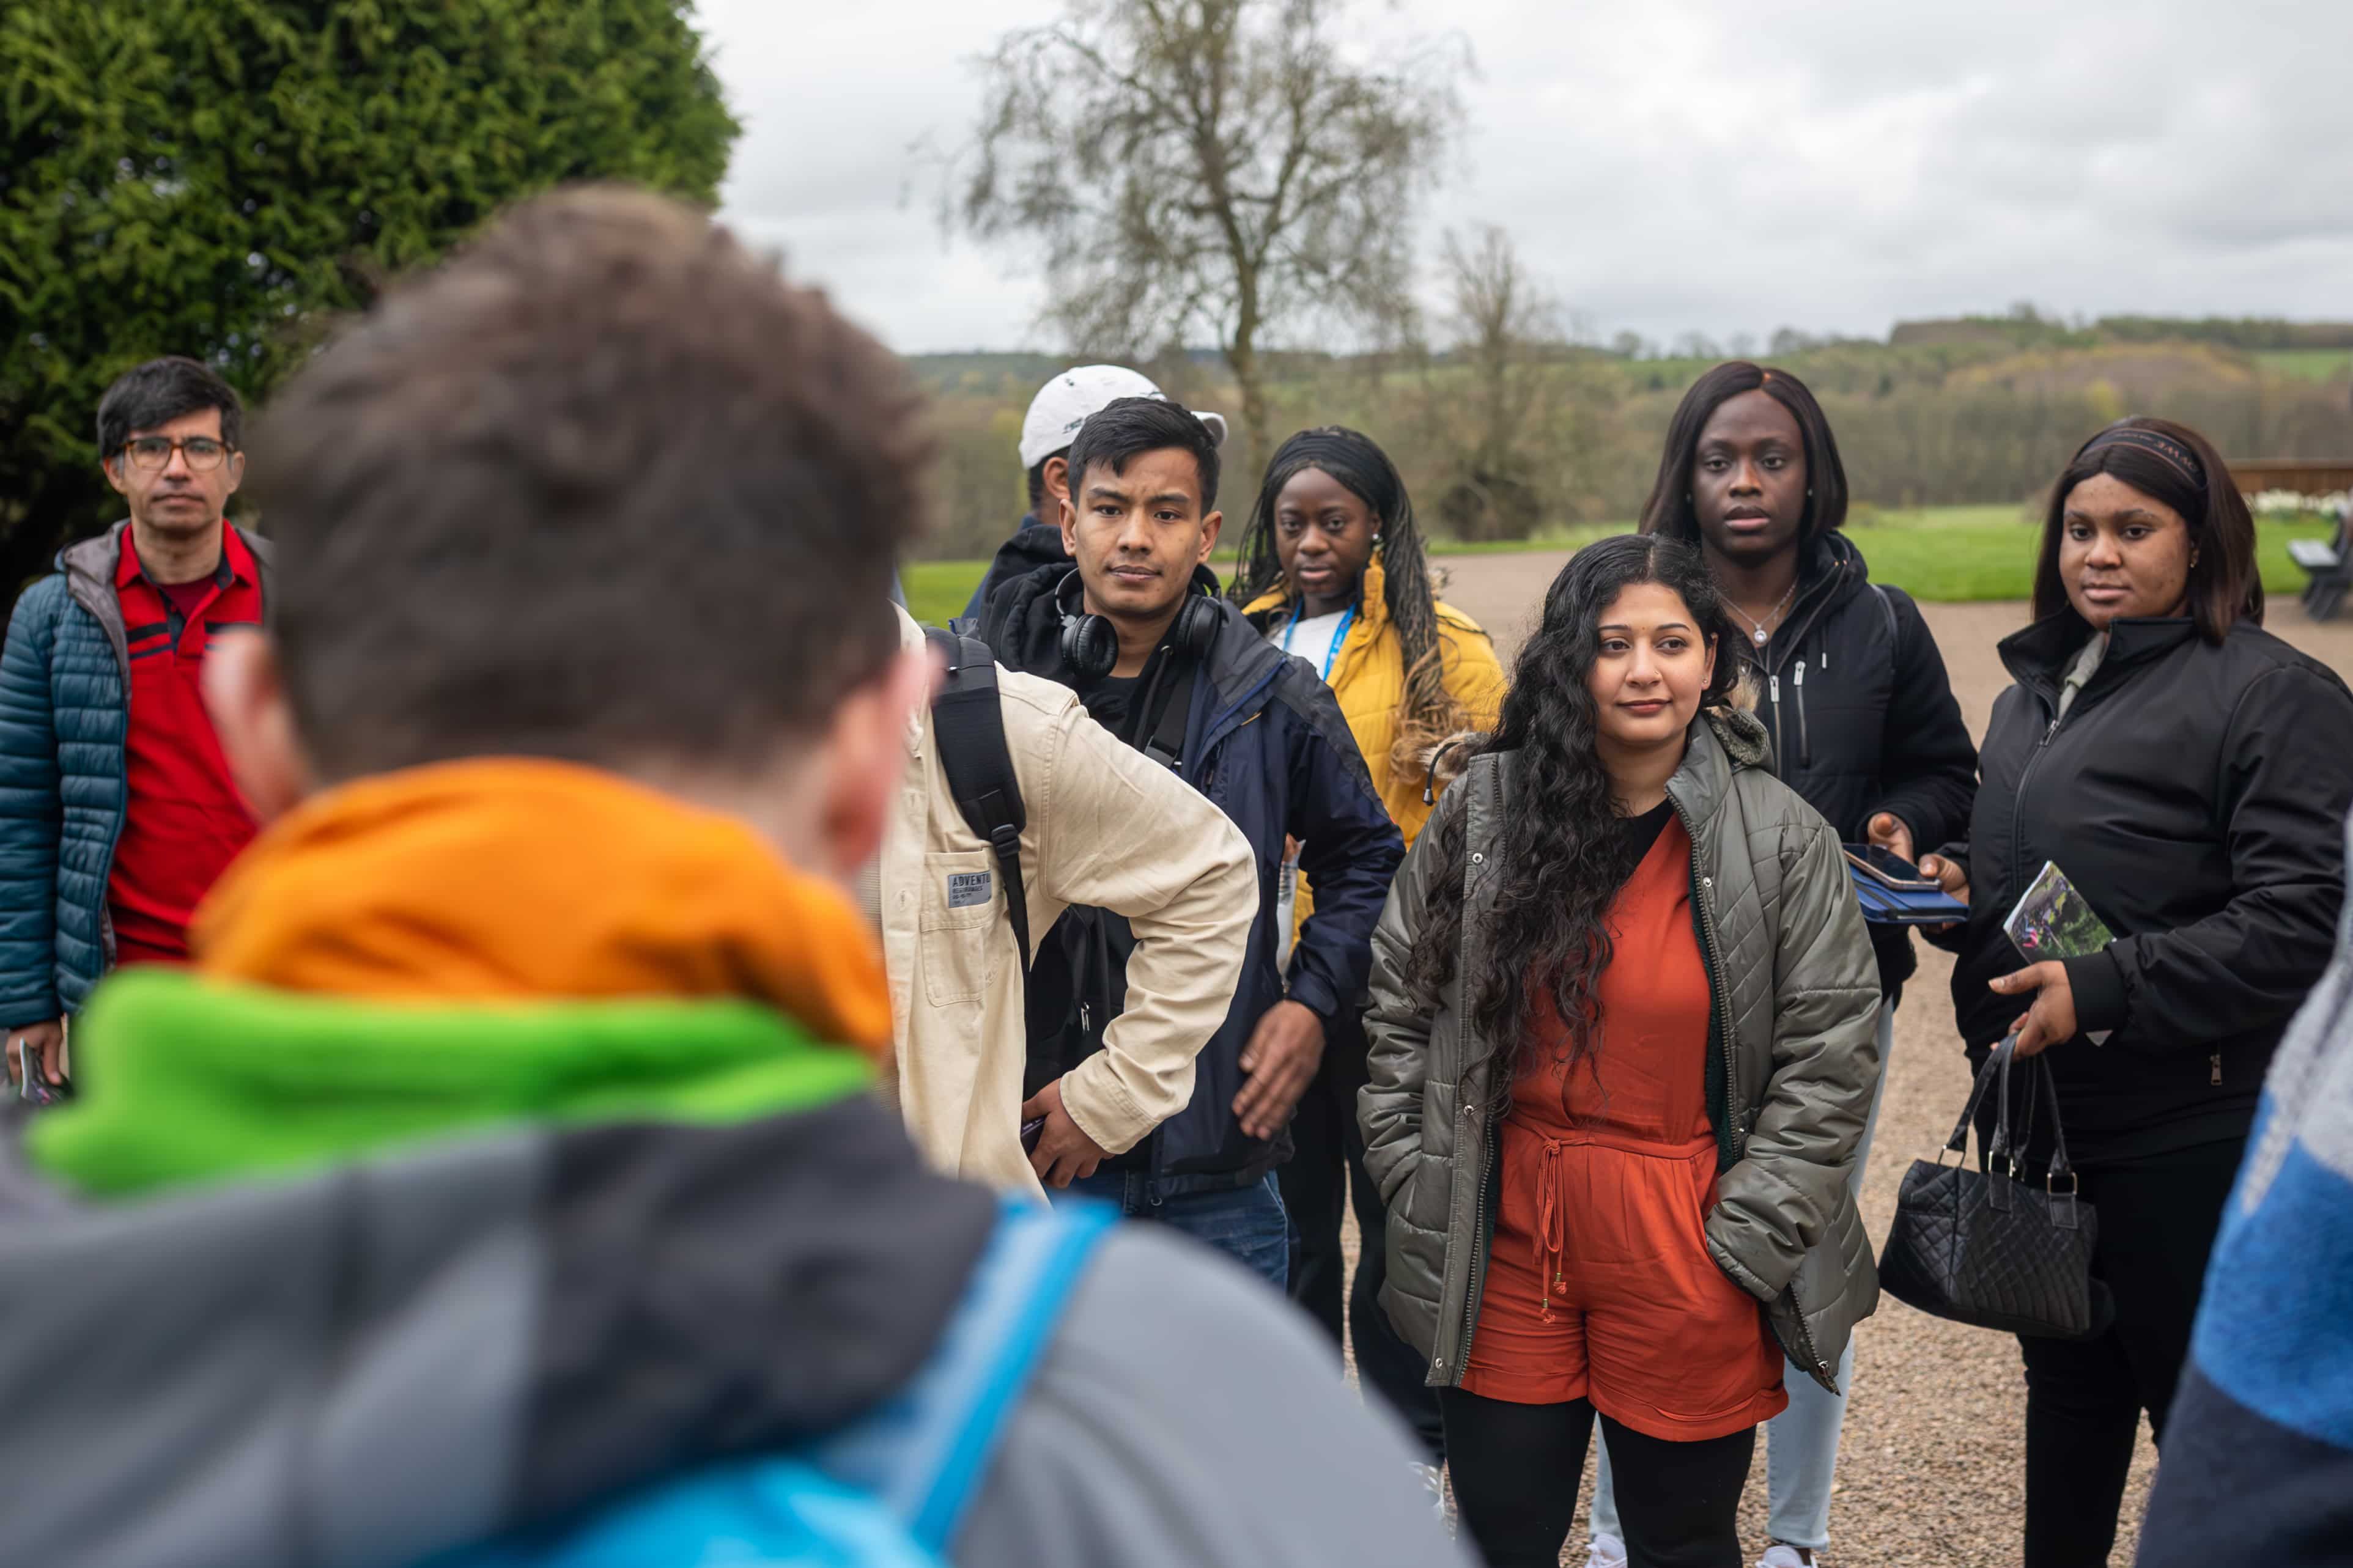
{"points": [[1227, 169]]}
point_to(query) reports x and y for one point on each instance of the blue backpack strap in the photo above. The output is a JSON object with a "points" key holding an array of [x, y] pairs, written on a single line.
{"points": [[923, 1453]]}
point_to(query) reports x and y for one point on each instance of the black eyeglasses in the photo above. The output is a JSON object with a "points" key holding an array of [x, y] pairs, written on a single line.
{"points": [[150, 452]]}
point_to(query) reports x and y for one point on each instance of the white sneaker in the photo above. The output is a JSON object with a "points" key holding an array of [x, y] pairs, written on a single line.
{"points": [[1606, 1551], [1781, 1556], [1433, 1480]]}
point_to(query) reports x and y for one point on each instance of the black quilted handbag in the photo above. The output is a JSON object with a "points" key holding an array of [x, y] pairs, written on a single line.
{"points": [[1985, 1248]]}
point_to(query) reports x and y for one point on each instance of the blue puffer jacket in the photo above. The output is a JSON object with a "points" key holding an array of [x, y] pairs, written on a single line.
{"points": [[64, 712]]}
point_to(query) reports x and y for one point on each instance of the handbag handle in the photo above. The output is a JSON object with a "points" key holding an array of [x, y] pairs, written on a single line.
{"points": [[2014, 1142], [1958, 1143]]}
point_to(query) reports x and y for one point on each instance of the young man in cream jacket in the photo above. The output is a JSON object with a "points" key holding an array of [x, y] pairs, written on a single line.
{"points": [[1107, 828]]}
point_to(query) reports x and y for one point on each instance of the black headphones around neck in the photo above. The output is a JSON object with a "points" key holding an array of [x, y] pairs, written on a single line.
{"points": [[1090, 644]]}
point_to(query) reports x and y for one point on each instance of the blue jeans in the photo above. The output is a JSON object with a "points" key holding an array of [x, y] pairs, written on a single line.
{"points": [[1801, 1443], [1246, 1223]]}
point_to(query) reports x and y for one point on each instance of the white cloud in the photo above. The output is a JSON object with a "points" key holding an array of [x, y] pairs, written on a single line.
{"points": [[1837, 164]]}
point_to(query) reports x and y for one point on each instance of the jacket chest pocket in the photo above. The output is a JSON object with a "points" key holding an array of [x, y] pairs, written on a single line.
{"points": [[957, 923]]}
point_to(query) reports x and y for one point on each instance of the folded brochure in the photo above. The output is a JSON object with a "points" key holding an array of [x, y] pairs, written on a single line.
{"points": [[2053, 920]]}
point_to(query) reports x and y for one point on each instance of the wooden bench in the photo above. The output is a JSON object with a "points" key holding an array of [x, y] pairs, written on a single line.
{"points": [[2327, 568]]}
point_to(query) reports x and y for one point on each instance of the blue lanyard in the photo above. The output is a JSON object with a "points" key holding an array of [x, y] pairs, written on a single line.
{"points": [[1339, 636]]}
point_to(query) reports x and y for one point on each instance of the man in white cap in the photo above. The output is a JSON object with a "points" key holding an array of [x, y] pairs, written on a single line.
{"points": [[1061, 405]]}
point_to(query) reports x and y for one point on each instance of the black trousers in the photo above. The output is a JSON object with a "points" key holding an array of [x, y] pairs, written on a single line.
{"points": [[2084, 1397], [1516, 1468], [1325, 1175]]}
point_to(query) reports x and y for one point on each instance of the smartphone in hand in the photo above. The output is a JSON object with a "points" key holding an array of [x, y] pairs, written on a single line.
{"points": [[1032, 1131], [31, 1082]]}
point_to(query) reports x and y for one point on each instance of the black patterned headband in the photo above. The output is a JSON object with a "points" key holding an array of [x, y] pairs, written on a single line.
{"points": [[2181, 458]]}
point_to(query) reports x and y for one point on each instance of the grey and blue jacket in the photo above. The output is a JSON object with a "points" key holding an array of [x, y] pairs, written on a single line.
{"points": [[454, 1341], [2259, 1447]]}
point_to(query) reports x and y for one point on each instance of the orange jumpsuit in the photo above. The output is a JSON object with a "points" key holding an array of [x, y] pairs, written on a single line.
{"points": [[1598, 1284]]}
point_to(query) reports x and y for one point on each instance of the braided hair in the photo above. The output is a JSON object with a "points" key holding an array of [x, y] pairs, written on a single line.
{"points": [[1429, 713]]}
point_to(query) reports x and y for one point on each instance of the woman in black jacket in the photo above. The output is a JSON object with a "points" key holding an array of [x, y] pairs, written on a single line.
{"points": [[1864, 724], [2189, 773]]}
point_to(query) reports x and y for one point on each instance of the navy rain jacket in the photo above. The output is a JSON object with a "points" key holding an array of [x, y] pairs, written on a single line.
{"points": [[1267, 743]]}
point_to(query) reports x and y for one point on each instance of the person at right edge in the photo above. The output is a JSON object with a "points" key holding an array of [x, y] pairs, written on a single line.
{"points": [[2259, 1468], [2188, 773], [1623, 1045], [1864, 727]]}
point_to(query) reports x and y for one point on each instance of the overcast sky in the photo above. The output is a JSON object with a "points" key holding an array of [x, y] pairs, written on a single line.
{"points": [[1834, 165]]}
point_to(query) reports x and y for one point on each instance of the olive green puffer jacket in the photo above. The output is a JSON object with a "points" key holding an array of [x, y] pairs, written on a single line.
{"points": [[1796, 990]]}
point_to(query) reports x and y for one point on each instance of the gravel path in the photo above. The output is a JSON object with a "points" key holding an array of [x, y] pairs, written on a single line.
{"points": [[1932, 1469]]}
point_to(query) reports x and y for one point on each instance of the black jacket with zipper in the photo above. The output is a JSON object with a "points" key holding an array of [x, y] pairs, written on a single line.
{"points": [[2195, 795], [1854, 695]]}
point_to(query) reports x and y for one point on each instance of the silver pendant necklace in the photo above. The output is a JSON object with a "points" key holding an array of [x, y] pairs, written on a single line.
{"points": [[1757, 629]]}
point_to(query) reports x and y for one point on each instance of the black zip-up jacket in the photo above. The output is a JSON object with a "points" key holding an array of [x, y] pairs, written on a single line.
{"points": [[1863, 718], [2195, 795], [1033, 544], [1266, 743]]}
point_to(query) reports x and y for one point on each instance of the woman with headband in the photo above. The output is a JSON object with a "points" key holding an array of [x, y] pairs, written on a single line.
{"points": [[2189, 773], [1333, 570]]}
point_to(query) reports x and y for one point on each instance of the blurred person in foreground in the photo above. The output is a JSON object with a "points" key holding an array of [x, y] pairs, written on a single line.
{"points": [[1333, 573], [2259, 1456], [2189, 773], [1051, 423], [117, 812], [506, 1171]]}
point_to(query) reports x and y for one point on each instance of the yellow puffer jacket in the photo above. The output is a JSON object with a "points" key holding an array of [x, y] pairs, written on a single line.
{"points": [[1368, 682]]}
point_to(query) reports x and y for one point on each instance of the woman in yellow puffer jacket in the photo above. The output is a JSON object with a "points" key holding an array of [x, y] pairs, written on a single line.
{"points": [[1333, 570]]}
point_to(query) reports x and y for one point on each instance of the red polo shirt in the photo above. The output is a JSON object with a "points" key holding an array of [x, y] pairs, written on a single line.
{"points": [[183, 821]]}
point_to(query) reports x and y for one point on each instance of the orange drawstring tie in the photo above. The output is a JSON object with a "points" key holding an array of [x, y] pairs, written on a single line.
{"points": [[1552, 1237]]}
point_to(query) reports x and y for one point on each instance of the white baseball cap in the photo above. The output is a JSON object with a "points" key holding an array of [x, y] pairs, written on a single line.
{"points": [[1077, 395]]}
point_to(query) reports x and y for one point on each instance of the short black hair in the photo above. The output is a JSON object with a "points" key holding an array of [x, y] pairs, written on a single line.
{"points": [[1669, 510], [161, 390], [605, 488], [1037, 479], [1127, 427]]}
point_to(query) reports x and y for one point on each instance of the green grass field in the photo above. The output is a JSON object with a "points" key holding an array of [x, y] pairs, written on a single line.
{"points": [[1943, 555], [2306, 364]]}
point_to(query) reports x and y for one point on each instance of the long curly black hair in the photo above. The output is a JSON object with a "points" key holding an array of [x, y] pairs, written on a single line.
{"points": [[1429, 713], [1562, 860]]}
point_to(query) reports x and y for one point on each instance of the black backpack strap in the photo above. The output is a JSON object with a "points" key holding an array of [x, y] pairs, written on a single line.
{"points": [[968, 726]]}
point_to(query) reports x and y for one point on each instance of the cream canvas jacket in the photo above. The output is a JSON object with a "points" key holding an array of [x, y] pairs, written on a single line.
{"points": [[1106, 827]]}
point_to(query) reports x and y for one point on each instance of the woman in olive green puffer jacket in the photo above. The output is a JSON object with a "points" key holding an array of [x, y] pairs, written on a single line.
{"points": [[1791, 986]]}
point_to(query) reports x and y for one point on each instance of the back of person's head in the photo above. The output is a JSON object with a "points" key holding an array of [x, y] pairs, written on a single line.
{"points": [[1130, 426], [1670, 510], [2173, 464], [604, 487], [162, 390]]}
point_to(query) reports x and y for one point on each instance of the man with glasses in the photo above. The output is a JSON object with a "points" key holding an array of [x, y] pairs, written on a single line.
{"points": [[116, 808]]}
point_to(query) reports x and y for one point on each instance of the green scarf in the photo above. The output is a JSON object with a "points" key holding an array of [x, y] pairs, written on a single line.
{"points": [[189, 1079]]}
